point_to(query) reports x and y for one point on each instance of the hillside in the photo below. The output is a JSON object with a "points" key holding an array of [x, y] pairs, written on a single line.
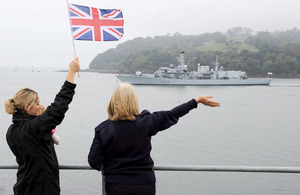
{"points": [[213, 46], [277, 52]]}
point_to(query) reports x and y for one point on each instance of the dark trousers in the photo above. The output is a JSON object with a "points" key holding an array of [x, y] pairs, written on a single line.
{"points": [[117, 189]]}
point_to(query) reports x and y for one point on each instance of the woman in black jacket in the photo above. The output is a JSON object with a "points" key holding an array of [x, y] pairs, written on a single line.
{"points": [[29, 137], [122, 144]]}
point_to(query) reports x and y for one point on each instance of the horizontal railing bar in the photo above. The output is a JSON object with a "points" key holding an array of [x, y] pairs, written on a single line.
{"points": [[262, 169], [266, 169]]}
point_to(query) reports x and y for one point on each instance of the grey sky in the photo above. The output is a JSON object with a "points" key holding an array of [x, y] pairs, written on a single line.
{"points": [[36, 33]]}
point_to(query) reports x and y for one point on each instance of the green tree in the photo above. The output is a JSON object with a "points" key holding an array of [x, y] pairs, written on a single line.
{"points": [[268, 66]]}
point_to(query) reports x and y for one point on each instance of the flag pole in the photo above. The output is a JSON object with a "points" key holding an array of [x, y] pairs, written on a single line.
{"points": [[72, 33]]}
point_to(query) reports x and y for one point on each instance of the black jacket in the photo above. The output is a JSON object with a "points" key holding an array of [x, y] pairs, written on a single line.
{"points": [[29, 138], [123, 147]]}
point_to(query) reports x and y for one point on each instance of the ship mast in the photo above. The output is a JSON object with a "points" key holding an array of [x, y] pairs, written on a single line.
{"points": [[216, 72], [181, 60], [217, 64]]}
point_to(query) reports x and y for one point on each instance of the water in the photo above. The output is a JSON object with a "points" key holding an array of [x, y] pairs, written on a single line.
{"points": [[255, 126]]}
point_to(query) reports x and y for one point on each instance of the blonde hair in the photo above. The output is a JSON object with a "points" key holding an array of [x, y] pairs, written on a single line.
{"points": [[123, 104], [21, 98]]}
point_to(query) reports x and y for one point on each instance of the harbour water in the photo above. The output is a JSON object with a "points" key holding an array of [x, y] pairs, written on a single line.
{"points": [[255, 126]]}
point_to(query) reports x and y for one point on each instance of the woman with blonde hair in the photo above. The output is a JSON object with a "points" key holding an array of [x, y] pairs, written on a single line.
{"points": [[29, 137], [122, 143]]}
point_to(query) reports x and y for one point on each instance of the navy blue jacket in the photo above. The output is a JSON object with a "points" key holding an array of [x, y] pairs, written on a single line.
{"points": [[122, 148], [29, 138]]}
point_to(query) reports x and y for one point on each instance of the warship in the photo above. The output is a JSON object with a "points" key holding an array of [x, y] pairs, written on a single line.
{"points": [[203, 76]]}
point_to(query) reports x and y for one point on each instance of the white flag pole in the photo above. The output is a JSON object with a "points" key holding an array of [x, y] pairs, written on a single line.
{"points": [[72, 33]]}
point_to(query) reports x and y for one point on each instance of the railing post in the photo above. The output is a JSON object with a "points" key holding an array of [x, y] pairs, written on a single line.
{"points": [[103, 183]]}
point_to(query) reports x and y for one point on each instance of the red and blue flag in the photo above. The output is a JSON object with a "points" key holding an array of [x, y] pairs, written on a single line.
{"points": [[93, 24]]}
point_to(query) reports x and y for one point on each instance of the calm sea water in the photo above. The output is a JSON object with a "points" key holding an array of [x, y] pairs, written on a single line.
{"points": [[255, 126]]}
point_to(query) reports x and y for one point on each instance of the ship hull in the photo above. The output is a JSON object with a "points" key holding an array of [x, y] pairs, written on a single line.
{"points": [[145, 80]]}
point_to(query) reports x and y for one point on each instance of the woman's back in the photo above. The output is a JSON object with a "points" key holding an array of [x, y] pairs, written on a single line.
{"points": [[127, 145]]}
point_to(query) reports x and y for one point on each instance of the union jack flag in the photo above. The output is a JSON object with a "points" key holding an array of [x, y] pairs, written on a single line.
{"points": [[93, 24]]}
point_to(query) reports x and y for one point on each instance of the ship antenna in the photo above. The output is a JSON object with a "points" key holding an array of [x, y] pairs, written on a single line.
{"points": [[216, 72], [217, 64], [181, 59]]}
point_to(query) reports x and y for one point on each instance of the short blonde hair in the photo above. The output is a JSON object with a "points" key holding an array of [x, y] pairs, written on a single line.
{"points": [[21, 98], [123, 104]]}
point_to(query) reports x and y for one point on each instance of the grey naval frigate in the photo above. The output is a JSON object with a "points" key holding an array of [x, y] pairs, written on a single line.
{"points": [[203, 76]]}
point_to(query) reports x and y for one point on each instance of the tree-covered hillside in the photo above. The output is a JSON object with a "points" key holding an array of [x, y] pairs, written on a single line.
{"points": [[237, 49]]}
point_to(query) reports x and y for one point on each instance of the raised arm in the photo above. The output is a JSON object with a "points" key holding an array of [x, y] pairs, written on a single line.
{"points": [[55, 113], [73, 68], [205, 100]]}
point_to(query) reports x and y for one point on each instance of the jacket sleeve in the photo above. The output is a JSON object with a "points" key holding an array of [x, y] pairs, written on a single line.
{"points": [[96, 156], [165, 119], [55, 113]]}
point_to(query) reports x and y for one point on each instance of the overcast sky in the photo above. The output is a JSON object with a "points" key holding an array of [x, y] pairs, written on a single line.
{"points": [[37, 33]]}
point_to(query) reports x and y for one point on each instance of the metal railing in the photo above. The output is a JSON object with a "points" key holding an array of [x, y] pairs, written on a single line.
{"points": [[260, 169]]}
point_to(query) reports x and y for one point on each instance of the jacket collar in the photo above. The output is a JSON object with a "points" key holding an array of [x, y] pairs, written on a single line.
{"points": [[21, 116]]}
